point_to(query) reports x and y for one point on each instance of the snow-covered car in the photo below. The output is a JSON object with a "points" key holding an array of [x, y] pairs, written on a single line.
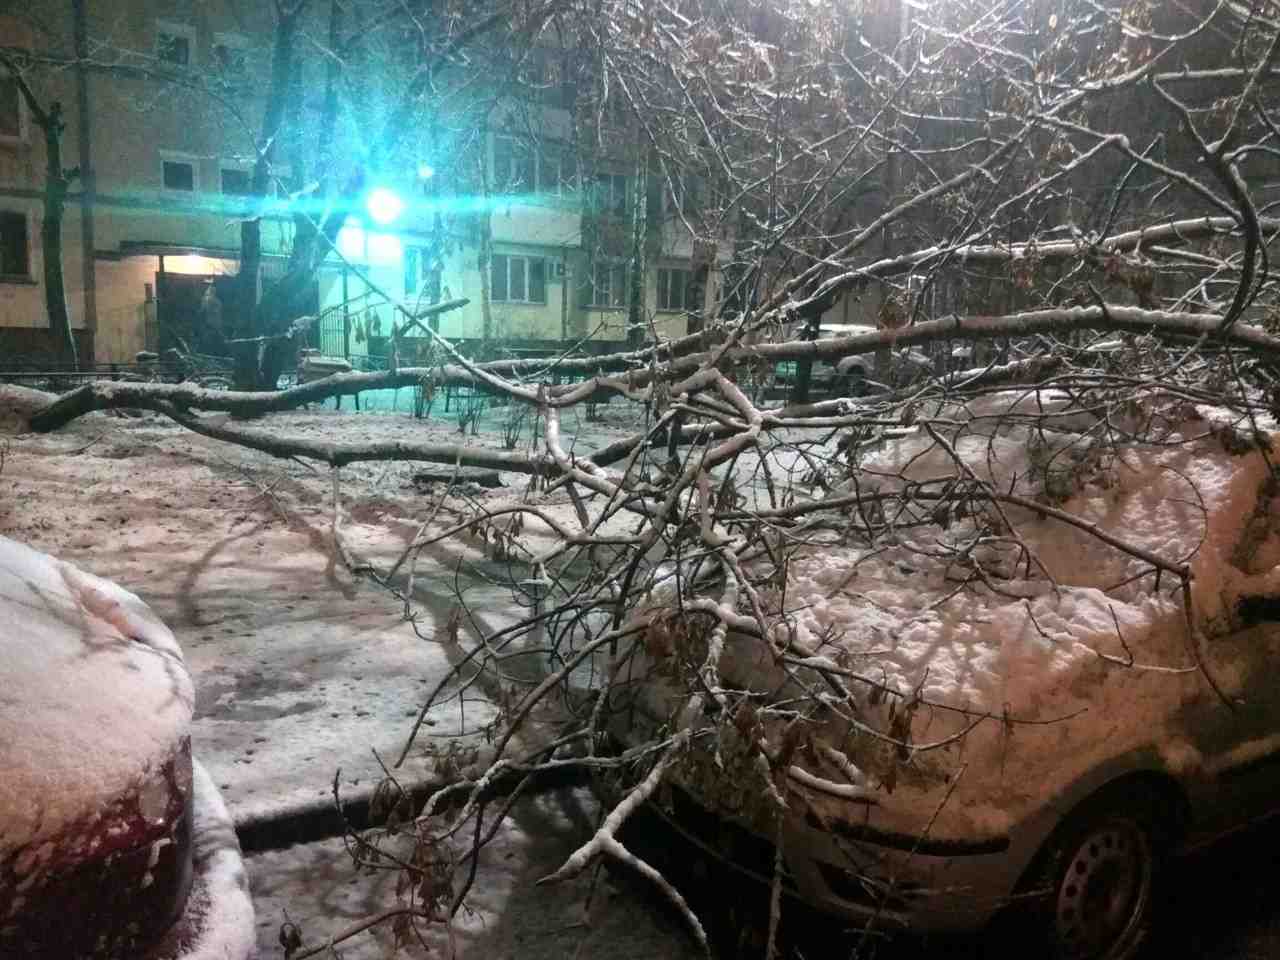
{"points": [[114, 841], [1051, 667]]}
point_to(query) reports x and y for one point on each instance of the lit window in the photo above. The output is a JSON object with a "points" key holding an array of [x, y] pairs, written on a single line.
{"points": [[351, 240], [609, 288], [676, 291], [385, 248], [15, 250], [179, 175], [175, 43], [517, 279]]}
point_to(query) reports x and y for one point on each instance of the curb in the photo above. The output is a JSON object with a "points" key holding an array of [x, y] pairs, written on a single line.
{"points": [[319, 819]]}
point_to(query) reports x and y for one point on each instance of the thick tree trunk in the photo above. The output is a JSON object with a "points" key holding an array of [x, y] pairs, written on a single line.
{"points": [[55, 200], [246, 320], [636, 319]]}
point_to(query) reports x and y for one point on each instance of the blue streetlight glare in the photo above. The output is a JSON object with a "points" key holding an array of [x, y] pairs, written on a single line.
{"points": [[425, 171], [384, 206]]}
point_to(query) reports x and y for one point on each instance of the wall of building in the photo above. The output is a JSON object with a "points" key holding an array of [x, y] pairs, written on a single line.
{"points": [[136, 123]]}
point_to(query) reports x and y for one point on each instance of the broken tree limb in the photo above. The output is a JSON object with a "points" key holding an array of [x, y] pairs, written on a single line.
{"points": [[1127, 319], [340, 454], [1160, 323]]}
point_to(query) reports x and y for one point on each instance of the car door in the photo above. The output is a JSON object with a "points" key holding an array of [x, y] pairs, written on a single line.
{"points": [[1239, 744]]}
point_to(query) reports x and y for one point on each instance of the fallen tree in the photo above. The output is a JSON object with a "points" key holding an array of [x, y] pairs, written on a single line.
{"points": [[1049, 204]]}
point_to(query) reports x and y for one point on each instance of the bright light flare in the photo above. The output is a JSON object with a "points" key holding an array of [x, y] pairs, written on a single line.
{"points": [[384, 206]]}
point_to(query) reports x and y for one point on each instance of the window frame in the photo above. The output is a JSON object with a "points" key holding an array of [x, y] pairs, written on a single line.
{"points": [[504, 180], [611, 205], [231, 41], [237, 166], [615, 269], [23, 134], [688, 196], [176, 28], [554, 161], [175, 156], [685, 289], [25, 217], [546, 161], [526, 277]]}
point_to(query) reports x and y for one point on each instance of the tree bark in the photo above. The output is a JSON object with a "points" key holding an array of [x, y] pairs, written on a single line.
{"points": [[57, 182], [246, 319], [639, 372], [636, 319]]}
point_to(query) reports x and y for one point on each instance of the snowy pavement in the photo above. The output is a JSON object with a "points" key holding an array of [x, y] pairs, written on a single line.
{"points": [[302, 669], [506, 914]]}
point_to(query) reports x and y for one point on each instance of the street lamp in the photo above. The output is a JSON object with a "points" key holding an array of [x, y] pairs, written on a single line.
{"points": [[384, 206]]}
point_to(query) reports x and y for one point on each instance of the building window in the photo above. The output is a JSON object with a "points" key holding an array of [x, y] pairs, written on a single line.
{"points": [[178, 173], [522, 167], [229, 55], [609, 286], [687, 196], [12, 127], [517, 279], [676, 290], [236, 181], [514, 166], [15, 248], [611, 194], [175, 43], [416, 267], [558, 171]]}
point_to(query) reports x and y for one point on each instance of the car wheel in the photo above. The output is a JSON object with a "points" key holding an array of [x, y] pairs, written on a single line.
{"points": [[1098, 874]]}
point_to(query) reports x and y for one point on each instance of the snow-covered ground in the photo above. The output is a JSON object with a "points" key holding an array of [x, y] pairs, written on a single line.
{"points": [[299, 667]]}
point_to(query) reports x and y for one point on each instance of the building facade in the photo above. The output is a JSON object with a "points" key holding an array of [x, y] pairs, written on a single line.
{"points": [[151, 232]]}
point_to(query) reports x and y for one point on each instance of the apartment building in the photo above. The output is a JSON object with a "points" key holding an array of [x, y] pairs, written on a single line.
{"points": [[151, 232]]}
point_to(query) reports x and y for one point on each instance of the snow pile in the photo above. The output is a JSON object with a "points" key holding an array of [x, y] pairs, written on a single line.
{"points": [[94, 699], [1086, 659], [218, 922]]}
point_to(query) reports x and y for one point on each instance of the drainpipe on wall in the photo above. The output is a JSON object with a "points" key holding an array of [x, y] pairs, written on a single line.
{"points": [[88, 179], [564, 298]]}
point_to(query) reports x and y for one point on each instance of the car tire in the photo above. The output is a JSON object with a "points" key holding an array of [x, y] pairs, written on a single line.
{"points": [[1094, 882]]}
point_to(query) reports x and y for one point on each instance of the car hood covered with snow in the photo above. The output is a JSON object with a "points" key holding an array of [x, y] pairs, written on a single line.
{"points": [[94, 696], [977, 655]]}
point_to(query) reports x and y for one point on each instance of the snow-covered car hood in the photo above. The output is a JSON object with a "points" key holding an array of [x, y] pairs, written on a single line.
{"points": [[1011, 689], [93, 695]]}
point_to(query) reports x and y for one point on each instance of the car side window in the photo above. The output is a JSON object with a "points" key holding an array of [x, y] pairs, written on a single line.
{"points": [[1257, 609]]}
